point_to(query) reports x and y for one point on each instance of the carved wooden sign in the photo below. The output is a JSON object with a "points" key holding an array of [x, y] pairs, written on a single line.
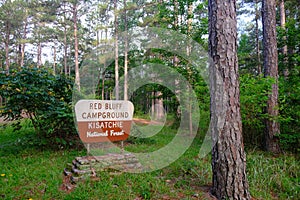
{"points": [[103, 120]]}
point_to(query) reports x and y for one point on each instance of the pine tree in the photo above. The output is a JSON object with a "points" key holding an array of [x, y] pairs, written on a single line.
{"points": [[271, 70], [228, 156]]}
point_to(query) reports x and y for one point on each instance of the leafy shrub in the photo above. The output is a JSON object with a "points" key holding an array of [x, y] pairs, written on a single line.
{"points": [[42, 97], [253, 97], [290, 111]]}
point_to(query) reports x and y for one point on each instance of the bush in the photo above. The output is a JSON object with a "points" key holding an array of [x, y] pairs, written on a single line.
{"points": [[42, 97], [253, 97], [290, 111]]}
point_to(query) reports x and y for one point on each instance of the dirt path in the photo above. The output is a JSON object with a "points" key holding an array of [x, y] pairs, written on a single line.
{"points": [[146, 122]]}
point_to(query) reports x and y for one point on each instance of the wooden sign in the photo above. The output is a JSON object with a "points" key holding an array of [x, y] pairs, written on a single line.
{"points": [[103, 120]]}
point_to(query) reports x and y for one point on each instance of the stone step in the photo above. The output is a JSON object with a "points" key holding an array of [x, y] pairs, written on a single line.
{"points": [[88, 166], [80, 172], [66, 172]]}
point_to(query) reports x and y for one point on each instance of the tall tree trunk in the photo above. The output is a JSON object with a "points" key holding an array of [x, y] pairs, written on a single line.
{"points": [[282, 23], [125, 54], [104, 68], [228, 156], [65, 48], [54, 59], [189, 32], [7, 41], [159, 106], [175, 58], [103, 84], [69, 66], [116, 51], [77, 77], [190, 17], [259, 71], [23, 43], [175, 14], [153, 104], [39, 55], [284, 49], [271, 70], [19, 54]]}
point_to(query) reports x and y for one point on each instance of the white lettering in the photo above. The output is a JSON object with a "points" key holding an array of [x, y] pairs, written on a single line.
{"points": [[100, 125], [97, 134], [113, 133]]}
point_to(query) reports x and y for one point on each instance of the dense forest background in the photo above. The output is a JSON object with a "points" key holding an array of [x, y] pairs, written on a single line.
{"points": [[44, 43]]}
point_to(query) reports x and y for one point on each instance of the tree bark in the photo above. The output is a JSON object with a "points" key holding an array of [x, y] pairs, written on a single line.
{"points": [[271, 70], [228, 156], [175, 14], [103, 84], [259, 71], [125, 54], [116, 52], [159, 106], [77, 77], [282, 23], [23, 43], [39, 55], [65, 47], [284, 48], [54, 60], [189, 32], [7, 41], [153, 104]]}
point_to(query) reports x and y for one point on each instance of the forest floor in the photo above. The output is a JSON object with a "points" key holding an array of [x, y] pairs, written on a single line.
{"points": [[31, 172]]}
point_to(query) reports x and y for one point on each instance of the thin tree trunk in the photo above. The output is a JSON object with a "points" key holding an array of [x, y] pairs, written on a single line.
{"points": [[104, 68], [153, 104], [175, 58], [159, 106], [271, 70], [189, 31], [116, 51], [19, 54], [77, 77], [7, 41], [54, 60], [284, 49], [175, 14], [23, 43], [69, 66], [228, 156], [257, 38], [65, 49], [103, 84], [125, 54], [39, 55], [282, 23], [98, 41]]}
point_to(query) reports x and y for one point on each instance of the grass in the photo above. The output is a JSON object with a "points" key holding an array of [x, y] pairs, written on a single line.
{"points": [[274, 177], [29, 172]]}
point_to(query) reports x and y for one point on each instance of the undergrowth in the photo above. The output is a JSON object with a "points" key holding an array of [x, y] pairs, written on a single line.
{"points": [[30, 172]]}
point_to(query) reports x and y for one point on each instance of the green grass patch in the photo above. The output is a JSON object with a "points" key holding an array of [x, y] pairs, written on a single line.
{"points": [[273, 177], [30, 172]]}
